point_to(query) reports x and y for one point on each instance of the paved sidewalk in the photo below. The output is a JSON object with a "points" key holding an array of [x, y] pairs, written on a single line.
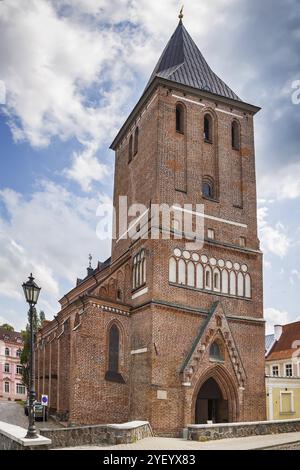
{"points": [[242, 443]]}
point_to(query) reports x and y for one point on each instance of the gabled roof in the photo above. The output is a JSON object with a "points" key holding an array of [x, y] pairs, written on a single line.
{"points": [[283, 348], [182, 62]]}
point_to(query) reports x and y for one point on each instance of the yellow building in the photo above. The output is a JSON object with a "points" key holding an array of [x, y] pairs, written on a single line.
{"points": [[283, 372]]}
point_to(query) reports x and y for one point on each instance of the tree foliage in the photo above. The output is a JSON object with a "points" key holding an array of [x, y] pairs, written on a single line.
{"points": [[7, 327], [25, 355]]}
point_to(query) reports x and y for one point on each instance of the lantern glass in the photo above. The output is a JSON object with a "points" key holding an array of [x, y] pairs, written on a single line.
{"points": [[31, 290]]}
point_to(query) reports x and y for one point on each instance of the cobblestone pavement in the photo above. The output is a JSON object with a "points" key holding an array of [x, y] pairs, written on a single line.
{"points": [[13, 413], [288, 440]]}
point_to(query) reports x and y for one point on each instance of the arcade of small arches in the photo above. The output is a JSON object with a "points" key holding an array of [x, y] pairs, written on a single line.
{"points": [[192, 270]]}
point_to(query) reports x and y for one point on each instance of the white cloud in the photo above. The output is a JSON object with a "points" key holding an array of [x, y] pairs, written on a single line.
{"points": [[281, 184], [57, 62], [273, 239], [274, 317], [51, 234]]}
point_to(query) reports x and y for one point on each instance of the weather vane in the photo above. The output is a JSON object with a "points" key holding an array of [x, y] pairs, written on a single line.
{"points": [[90, 260], [181, 13]]}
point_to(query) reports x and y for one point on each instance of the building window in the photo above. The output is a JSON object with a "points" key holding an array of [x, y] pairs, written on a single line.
{"points": [[180, 119], [289, 370], [130, 150], [198, 271], [139, 270], [217, 281], [235, 135], [208, 188], [208, 279], [211, 234], [20, 389], [136, 141], [19, 352], [6, 368], [19, 369], [6, 387], [275, 371], [6, 351], [243, 242], [114, 346], [208, 135], [215, 352]]}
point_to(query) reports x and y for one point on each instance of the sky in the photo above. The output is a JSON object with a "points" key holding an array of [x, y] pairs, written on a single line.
{"points": [[70, 73]]}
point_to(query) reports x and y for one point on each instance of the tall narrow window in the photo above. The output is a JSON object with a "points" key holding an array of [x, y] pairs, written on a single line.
{"points": [[208, 134], [136, 141], [181, 272], [232, 283], [248, 286], [208, 280], [240, 285], [113, 354], [139, 270], [130, 149], [172, 270], [191, 274], [180, 119], [235, 135], [6, 351], [217, 280], [225, 281], [6, 387]]}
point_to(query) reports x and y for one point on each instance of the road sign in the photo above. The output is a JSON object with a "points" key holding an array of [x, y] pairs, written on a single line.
{"points": [[44, 400]]}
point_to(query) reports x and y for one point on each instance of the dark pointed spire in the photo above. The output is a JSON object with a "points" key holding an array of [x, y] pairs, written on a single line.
{"points": [[182, 62]]}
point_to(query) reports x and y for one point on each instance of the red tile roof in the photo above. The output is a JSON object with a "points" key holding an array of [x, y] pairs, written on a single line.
{"points": [[10, 336], [283, 348]]}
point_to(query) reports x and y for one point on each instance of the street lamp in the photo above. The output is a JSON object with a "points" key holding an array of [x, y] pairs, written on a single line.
{"points": [[31, 292]]}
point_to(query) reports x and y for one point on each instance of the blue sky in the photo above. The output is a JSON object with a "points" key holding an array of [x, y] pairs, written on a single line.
{"points": [[73, 70]]}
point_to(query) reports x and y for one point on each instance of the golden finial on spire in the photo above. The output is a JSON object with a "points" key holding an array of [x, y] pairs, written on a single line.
{"points": [[180, 16]]}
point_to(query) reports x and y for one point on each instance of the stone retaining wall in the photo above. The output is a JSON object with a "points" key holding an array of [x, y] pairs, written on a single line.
{"points": [[98, 434], [13, 438], [209, 432]]}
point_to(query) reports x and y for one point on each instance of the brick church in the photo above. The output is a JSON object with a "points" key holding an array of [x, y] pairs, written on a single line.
{"points": [[165, 330]]}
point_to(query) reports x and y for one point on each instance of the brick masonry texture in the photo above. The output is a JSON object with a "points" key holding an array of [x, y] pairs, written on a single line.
{"points": [[166, 320]]}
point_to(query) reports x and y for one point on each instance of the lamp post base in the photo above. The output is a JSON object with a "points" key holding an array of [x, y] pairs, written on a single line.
{"points": [[31, 433]]}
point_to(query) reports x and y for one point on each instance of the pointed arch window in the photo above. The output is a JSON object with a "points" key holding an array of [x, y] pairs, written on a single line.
{"points": [[130, 149], [136, 141], [180, 118], [208, 128], [235, 135]]}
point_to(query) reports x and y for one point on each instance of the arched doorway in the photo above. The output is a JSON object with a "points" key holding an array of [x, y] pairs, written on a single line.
{"points": [[210, 404]]}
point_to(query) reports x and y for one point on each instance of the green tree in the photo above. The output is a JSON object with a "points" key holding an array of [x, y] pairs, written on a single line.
{"points": [[7, 327], [37, 324]]}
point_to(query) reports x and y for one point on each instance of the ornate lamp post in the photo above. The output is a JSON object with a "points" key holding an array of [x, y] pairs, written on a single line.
{"points": [[31, 291]]}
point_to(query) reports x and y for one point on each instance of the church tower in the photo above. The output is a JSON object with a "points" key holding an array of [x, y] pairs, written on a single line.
{"points": [[170, 329], [197, 311]]}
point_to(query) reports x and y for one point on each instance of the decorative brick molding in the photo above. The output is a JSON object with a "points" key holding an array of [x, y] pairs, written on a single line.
{"points": [[210, 432], [109, 434]]}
